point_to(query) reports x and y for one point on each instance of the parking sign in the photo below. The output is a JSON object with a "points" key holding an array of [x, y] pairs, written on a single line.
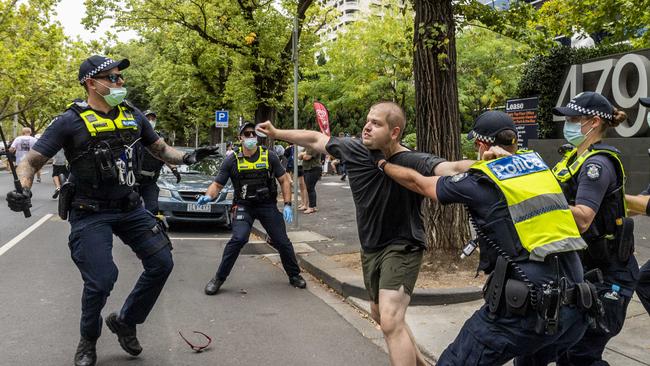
{"points": [[221, 118]]}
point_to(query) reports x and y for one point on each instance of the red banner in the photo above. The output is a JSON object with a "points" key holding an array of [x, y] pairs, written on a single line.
{"points": [[322, 116]]}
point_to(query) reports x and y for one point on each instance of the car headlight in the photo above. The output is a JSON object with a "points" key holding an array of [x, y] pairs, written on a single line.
{"points": [[165, 193], [230, 195]]}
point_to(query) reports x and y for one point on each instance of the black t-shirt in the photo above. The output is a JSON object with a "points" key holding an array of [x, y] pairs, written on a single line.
{"points": [[387, 213], [68, 131], [228, 168], [487, 204]]}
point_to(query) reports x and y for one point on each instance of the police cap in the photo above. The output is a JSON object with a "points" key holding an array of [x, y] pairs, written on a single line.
{"points": [[245, 126], [95, 64], [645, 101], [489, 124], [587, 104]]}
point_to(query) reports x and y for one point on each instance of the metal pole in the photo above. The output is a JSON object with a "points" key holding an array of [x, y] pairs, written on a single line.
{"points": [[15, 131], [296, 224], [222, 137], [196, 136]]}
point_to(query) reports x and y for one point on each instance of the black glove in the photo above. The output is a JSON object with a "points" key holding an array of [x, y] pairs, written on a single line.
{"points": [[199, 154], [176, 174], [19, 201]]}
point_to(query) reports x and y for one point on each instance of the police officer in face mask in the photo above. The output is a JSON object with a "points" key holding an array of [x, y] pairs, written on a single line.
{"points": [[593, 180], [253, 170], [150, 168], [98, 137]]}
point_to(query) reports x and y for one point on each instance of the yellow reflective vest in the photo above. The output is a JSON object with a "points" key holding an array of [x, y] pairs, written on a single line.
{"points": [[97, 124], [537, 206]]}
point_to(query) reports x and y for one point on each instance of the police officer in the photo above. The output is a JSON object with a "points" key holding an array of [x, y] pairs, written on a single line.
{"points": [[592, 177], [150, 168], [253, 170], [528, 242], [639, 205], [98, 138]]}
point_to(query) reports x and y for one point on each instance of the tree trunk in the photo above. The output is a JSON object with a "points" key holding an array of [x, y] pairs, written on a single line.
{"points": [[437, 119]]}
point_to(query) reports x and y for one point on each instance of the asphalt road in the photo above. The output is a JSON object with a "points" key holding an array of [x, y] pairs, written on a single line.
{"points": [[257, 319]]}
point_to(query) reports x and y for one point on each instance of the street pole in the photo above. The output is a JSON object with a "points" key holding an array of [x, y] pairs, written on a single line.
{"points": [[196, 137], [296, 224], [16, 122]]}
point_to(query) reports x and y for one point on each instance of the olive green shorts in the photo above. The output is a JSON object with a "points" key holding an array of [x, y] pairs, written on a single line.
{"points": [[390, 268]]}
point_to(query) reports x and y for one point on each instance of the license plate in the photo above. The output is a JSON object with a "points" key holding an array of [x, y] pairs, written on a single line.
{"points": [[193, 207]]}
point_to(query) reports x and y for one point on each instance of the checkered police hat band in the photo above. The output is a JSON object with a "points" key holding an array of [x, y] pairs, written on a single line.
{"points": [[486, 139], [590, 112], [96, 70]]}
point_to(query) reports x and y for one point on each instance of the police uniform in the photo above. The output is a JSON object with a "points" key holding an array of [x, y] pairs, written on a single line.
{"points": [[99, 202], [528, 242], [147, 179], [596, 178], [255, 197], [643, 286]]}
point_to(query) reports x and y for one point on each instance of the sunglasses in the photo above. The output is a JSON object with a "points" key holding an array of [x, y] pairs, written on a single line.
{"points": [[196, 348], [113, 78], [248, 133]]}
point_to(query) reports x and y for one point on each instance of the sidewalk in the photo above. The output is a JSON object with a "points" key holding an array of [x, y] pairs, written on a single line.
{"points": [[440, 314]]}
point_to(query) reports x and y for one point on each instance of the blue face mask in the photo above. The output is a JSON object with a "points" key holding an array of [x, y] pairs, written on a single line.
{"points": [[573, 133], [250, 143]]}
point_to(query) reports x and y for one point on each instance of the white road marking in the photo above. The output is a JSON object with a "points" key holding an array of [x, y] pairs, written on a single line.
{"points": [[201, 238], [22, 235]]}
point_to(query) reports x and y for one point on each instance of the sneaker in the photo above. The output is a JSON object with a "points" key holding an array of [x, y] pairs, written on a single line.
{"points": [[56, 193], [297, 281], [38, 180], [126, 334], [86, 354], [213, 286], [343, 177]]}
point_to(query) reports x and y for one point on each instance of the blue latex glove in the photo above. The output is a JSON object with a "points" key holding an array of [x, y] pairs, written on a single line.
{"points": [[288, 214], [203, 200]]}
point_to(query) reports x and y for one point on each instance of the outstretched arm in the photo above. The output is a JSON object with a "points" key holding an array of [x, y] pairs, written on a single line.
{"points": [[311, 139], [411, 179], [637, 205], [166, 153], [28, 167], [448, 168]]}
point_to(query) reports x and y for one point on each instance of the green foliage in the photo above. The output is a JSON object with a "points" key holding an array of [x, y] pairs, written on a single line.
{"points": [[543, 76], [410, 141], [615, 20], [38, 67], [489, 66], [467, 149]]}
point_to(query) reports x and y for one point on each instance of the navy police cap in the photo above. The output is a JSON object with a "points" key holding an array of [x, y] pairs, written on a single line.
{"points": [[488, 125], [645, 101], [245, 126], [95, 64], [587, 104]]}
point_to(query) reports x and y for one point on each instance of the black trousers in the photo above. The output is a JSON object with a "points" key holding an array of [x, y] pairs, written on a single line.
{"points": [[312, 176]]}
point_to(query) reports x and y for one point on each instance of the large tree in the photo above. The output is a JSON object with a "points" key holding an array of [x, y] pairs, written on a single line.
{"points": [[256, 35]]}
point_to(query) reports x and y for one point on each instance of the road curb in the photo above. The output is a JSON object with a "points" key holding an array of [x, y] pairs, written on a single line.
{"points": [[348, 283]]}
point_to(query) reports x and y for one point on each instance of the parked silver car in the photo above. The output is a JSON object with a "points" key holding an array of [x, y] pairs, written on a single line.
{"points": [[177, 201]]}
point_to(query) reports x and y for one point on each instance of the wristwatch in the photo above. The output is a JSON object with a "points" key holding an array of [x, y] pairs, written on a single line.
{"points": [[381, 164]]}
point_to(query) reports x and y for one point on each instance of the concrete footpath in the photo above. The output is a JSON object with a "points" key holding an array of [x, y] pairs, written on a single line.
{"points": [[439, 313]]}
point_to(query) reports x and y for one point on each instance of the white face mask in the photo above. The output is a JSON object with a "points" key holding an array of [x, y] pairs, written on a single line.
{"points": [[153, 123], [115, 96], [250, 143]]}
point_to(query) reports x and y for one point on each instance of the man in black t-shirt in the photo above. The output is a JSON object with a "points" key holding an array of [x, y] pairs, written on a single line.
{"points": [[389, 219], [253, 170]]}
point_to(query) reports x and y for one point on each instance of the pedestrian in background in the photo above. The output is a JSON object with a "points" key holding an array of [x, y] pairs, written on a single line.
{"points": [[311, 165], [21, 146], [59, 171]]}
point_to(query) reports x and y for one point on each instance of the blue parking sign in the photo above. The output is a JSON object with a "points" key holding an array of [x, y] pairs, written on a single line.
{"points": [[221, 118]]}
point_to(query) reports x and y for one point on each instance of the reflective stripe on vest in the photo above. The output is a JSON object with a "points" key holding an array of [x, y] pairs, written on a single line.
{"points": [[537, 206], [564, 173], [97, 124], [262, 162]]}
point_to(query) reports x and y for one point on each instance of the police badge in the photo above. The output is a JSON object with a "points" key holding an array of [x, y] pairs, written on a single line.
{"points": [[593, 171]]}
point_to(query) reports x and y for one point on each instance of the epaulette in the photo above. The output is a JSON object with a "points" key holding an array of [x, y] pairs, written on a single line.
{"points": [[78, 106], [601, 146], [128, 104]]}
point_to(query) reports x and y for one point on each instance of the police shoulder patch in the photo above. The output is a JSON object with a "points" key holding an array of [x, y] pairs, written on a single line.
{"points": [[593, 171], [458, 177]]}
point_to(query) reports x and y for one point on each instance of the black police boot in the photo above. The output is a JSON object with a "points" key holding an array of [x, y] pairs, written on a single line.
{"points": [[213, 286], [86, 354], [125, 334], [297, 281]]}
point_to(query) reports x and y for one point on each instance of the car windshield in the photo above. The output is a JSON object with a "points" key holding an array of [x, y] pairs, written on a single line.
{"points": [[208, 166]]}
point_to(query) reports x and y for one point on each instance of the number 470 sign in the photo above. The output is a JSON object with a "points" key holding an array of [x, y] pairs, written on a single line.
{"points": [[625, 79]]}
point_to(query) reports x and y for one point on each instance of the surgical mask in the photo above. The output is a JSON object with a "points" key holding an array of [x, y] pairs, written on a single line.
{"points": [[115, 96], [250, 143], [573, 133], [153, 123]]}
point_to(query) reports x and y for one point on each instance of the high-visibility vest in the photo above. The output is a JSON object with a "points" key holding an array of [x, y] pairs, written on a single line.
{"points": [[537, 206]]}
